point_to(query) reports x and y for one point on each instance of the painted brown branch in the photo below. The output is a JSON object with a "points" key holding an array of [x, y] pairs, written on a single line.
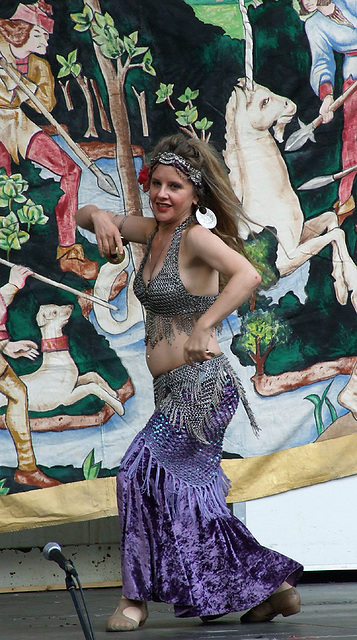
{"points": [[104, 122], [142, 107], [266, 385], [84, 85], [188, 132], [193, 132], [253, 300], [66, 95], [170, 104], [258, 358]]}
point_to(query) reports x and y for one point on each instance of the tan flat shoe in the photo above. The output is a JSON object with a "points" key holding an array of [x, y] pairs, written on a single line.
{"points": [[286, 602], [121, 622]]}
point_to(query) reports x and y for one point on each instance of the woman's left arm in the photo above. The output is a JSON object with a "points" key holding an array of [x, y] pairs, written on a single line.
{"points": [[242, 280]]}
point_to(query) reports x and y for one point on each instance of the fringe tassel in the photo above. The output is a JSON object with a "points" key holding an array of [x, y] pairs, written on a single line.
{"points": [[159, 326], [253, 423], [188, 395], [162, 484]]}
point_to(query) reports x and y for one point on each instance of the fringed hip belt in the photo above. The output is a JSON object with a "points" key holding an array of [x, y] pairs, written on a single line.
{"points": [[180, 448], [187, 395]]}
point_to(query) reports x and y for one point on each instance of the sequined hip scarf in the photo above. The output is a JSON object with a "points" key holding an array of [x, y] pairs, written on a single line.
{"points": [[189, 393]]}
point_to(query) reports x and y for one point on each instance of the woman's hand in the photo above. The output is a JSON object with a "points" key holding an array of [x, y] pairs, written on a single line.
{"points": [[107, 233], [196, 347], [106, 224]]}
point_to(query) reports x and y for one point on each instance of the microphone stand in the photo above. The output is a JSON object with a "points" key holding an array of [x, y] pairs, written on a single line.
{"points": [[83, 615]]}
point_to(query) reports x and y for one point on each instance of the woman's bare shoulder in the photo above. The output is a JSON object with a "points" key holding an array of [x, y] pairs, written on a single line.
{"points": [[198, 236]]}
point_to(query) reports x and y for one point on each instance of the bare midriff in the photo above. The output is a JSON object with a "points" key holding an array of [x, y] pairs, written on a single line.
{"points": [[165, 357]]}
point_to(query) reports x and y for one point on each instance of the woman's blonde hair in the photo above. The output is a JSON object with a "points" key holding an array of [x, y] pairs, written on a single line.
{"points": [[216, 191]]}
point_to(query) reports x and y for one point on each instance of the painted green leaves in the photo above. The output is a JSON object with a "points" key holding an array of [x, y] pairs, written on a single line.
{"points": [[164, 93], [147, 64], [190, 114], [83, 20], [12, 194], [11, 237], [32, 213], [112, 46], [106, 36], [69, 65], [12, 189], [186, 118]]}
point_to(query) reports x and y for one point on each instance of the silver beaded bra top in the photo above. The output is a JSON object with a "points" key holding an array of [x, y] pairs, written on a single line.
{"points": [[168, 305]]}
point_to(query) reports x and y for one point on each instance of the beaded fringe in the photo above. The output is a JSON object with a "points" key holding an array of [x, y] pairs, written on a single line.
{"points": [[159, 326], [159, 482], [189, 394]]}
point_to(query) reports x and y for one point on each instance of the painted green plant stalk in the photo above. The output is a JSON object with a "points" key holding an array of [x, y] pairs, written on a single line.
{"points": [[318, 405], [90, 468]]}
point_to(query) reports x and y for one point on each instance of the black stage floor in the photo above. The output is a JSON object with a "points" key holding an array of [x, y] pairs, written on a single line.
{"points": [[328, 611]]}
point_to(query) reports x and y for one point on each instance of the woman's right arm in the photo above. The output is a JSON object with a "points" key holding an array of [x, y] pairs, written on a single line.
{"points": [[106, 225]]}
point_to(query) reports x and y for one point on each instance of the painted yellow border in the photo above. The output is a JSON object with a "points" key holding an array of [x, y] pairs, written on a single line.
{"points": [[251, 478], [292, 468], [74, 502]]}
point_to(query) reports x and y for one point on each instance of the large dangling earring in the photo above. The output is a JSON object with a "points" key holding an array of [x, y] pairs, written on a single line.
{"points": [[206, 217]]}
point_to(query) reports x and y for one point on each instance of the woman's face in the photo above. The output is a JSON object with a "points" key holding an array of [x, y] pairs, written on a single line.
{"points": [[171, 195]]}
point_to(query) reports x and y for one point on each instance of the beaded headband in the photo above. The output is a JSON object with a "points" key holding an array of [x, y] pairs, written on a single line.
{"points": [[178, 162]]}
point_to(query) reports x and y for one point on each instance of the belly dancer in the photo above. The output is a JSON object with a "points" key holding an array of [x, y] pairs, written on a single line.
{"points": [[180, 542]]}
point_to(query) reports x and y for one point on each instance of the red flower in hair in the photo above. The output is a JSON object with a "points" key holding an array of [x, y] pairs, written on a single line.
{"points": [[144, 177]]}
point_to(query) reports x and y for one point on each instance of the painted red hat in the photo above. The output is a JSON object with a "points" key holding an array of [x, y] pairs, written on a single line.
{"points": [[38, 14]]}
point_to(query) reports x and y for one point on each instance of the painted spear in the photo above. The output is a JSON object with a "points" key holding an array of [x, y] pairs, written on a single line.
{"points": [[60, 285], [104, 180], [306, 131], [323, 181]]}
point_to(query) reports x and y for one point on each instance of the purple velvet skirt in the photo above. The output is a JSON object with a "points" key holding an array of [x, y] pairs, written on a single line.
{"points": [[180, 542]]}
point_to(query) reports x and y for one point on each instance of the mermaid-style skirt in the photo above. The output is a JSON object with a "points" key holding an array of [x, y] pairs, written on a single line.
{"points": [[180, 542]]}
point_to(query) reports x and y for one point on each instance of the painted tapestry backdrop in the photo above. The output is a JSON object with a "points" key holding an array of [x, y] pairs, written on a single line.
{"points": [[87, 87]]}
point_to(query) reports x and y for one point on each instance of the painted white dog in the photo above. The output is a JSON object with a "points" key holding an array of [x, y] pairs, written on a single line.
{"points": [[57, 382]]}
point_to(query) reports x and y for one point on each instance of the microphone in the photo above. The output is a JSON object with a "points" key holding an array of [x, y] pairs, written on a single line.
{"points": [[52, 551]]}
